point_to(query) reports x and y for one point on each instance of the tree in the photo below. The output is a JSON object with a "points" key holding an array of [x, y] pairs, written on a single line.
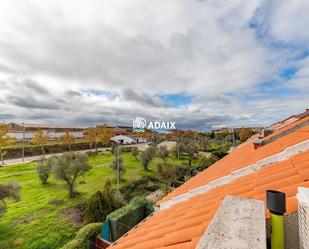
{"points": [[5, 140], [163, 153], [68, 139], [68, 168], [9, 190], [91, 136], [104, 134], [43, 169], [40, 139], [191, 148], [134, 152], [101, 204], [146, 157], [118, 167], [245, 133], [168, 175]]}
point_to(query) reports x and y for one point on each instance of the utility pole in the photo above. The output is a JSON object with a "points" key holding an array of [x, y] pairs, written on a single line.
{"points": [[178, 148], [118, 166], [23, 143]]}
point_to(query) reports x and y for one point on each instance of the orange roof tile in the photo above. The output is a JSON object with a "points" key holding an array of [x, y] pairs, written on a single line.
{"points": [[183, 224], [241, 157]]}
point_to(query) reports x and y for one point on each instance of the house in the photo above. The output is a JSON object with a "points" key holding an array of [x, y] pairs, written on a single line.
{"points": [[193, 215], [53, 131], [121, 139]]}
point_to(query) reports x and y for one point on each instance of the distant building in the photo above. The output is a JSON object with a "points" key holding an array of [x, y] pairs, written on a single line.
{"points": [[129, 139], [27, 131], [121, 139]]}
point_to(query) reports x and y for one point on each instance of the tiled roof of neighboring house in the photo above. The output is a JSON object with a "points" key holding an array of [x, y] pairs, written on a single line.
{"points": [[282, 165]]}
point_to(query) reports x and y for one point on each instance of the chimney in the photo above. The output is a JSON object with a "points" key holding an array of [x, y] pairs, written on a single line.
{"points": [[265, 132], [257, 143]]}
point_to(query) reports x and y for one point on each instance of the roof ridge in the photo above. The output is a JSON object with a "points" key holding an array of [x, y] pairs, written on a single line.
{"points": [[265, 162]]}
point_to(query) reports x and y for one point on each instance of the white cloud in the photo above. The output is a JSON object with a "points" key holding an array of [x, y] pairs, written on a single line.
{"points": [[140, 49]]}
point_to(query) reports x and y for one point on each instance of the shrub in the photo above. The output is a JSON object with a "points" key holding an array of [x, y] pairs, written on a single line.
{"points": [[9, 190], [183, 171], [140, 187], [124, 218], [81, 240], [168, 175], [35, 150], [101, 204]]}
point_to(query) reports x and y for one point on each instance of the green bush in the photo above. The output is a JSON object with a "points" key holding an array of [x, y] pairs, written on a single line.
{"points": [[101, 204], [36, 150], [123, 219], [140, 187], [81, 240]]}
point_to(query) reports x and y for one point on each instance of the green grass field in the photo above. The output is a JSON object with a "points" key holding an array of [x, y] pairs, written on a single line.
{"points": [[34, 223]]}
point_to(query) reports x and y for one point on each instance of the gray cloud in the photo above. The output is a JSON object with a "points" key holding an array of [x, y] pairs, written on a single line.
{"points": [[35, 87], [219, 52], [31, 102], [142, 98]]}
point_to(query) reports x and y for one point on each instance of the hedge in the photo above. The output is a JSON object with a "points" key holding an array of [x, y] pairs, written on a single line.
{"points": [[123, 219], [81, 240], [35, 150]]}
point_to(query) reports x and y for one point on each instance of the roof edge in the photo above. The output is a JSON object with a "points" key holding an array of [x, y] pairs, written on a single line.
{"points": [[281, 156]]}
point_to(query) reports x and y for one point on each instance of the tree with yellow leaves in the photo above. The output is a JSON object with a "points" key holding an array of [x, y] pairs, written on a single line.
{"points": [[68, 139], [104, 134], [5, 140], [40, 139], [91, 135]]}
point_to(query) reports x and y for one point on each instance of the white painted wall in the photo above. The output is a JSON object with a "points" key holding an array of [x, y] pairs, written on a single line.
{"points": [[123, 139], [52, 135]]}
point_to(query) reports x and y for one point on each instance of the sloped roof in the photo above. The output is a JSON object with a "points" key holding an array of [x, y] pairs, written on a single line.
{"points": [[183, 224]]}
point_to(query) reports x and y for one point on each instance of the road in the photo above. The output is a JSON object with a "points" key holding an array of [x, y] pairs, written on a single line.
{"points": [[34, 158]]}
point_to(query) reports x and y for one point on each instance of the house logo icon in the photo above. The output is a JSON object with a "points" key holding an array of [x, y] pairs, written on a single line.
{"points": [[139, 124]]}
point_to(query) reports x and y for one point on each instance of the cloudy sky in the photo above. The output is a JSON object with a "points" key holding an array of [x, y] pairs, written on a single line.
{"points": [[202, 64]]}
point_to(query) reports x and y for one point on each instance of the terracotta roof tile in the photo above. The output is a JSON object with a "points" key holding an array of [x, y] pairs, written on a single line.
{"points": [[183, 224]]}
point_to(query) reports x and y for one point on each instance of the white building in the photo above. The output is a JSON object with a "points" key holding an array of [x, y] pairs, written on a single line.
{"points": [[121, 139], [27, 131]]}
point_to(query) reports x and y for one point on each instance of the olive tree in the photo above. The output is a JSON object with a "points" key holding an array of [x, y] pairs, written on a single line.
{"points": [[146, 157], [163, 153], [134, 152], [43, 168], [69, 167]]}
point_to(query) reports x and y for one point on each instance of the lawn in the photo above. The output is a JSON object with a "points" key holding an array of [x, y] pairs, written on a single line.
{"points": [[34, 222]]}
